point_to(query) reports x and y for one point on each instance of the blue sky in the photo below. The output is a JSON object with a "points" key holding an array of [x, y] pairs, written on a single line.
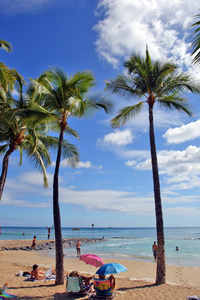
{"points": [[112, 185]]}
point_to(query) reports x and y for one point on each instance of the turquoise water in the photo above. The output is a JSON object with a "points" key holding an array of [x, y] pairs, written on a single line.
{"points": [[126, 243]]}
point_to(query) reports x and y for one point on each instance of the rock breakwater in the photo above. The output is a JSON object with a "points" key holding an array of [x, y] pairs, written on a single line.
{"points": [[49, 245]]}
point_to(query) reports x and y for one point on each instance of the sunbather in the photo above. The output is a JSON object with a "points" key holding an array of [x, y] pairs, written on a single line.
{"points": [[40, 274]]}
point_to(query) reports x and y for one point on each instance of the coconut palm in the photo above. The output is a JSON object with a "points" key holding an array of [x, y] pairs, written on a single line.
{"points": [[22, 129], [66, 96], [196, 41], [156, 82]]}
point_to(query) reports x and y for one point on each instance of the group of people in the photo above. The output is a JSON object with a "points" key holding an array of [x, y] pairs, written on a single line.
{"points": [[86, 280], [155, 250]]}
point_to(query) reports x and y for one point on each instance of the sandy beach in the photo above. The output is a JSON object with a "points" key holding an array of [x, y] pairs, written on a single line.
{"points": [[136, 283]]}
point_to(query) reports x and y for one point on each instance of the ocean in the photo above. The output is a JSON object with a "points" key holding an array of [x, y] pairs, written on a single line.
{"points": [[123, 243]]}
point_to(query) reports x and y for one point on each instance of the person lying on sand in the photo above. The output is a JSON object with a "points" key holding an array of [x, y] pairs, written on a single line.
{"points": [[40, 274]]}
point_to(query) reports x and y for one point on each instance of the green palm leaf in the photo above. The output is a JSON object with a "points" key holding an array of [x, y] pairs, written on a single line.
{"points": [[196, 41], [5, 45], [126, 114]]}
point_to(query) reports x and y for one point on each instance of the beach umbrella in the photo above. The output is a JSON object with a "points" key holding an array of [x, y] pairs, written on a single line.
{"points": [[92, 259], [111, 268]]}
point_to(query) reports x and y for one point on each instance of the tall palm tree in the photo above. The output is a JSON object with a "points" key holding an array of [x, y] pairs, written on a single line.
{"points": [[66, 97], [154, 82], [196, 41]]}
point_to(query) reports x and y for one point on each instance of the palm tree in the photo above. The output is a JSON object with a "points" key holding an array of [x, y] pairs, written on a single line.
{"points": [[22, 129], [154, 82], [196, 41], [65, 97]]}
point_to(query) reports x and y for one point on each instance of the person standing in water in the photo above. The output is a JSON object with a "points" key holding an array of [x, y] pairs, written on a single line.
{"points": [[155, 250], [78, 248], [49, 232]]}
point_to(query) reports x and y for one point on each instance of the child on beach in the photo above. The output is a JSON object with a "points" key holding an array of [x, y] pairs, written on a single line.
{"points": [[33, 243]]}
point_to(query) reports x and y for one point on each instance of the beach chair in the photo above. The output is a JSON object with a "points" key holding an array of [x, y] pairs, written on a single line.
{"points": [[76, 286], [103, 289]]}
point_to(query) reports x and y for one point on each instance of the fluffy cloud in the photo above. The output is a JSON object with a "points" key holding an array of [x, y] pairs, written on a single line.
{"points": [[184, 133], [80, 165], [182, 168], [126, 26], [117, 138]]}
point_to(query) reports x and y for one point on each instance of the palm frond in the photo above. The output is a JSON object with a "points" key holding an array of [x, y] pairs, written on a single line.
{"points": [[5, 45], [21, 154], [95, 102], [70, 151], [3, 149], [70, 131], [196, 41], [179, 82], [123, 86], [126, 114], [176, 102]]}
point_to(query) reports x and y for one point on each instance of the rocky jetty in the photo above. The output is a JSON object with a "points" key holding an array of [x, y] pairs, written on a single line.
{"points": [[49, 245]]}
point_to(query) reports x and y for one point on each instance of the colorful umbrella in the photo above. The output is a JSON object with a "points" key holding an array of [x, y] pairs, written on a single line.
{"points": [[92, 259], [111, 269]]}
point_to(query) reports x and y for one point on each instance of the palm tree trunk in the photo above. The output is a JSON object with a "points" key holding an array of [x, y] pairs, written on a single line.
{"points": [[161, 267], [57, 220], [5, 169]]}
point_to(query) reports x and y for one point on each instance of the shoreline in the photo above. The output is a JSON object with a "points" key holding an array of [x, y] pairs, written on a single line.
{"points": [[136, 283]]}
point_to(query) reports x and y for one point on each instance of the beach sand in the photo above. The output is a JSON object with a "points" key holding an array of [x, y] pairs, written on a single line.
{"points": [[136, 283]]}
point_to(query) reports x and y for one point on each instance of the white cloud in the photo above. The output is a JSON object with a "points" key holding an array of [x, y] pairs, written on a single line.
{"points": [[182, 211], [173, 162], [131, 163], [117, 138], [80, 165], [102, 200], [183, 133], [182, 168], [126, 26]]}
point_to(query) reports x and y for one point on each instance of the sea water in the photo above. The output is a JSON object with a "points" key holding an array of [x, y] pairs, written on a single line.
{"points": [[123, 243]]}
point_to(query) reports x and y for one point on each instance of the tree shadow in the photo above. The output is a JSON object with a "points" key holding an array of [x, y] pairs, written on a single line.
{"points": [[123, 289]]}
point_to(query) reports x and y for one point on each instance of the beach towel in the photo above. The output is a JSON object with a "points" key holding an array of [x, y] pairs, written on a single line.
{"points": [[48, 274], [5, 296], [50, 277]]}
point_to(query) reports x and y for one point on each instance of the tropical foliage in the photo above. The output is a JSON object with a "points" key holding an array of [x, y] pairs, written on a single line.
{"points": [[22, 129], [153, 82]]}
